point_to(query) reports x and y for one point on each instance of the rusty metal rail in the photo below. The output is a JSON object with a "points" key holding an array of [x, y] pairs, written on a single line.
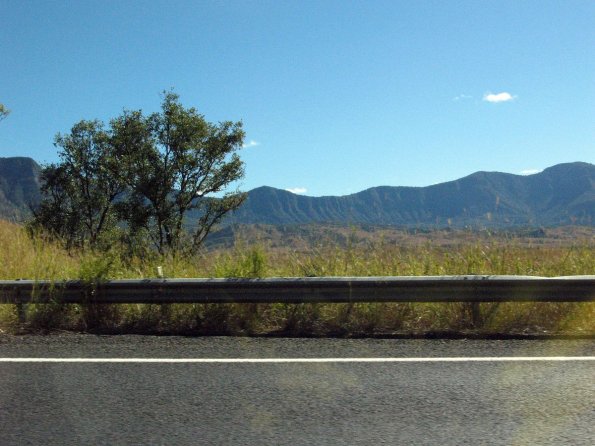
{"points": [[474, 288]]}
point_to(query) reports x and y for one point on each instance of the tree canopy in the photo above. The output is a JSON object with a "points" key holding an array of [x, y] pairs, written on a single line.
{"points": [[4, 112], [141, 178]]}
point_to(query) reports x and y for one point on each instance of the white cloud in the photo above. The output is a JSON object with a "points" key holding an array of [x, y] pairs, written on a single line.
{"points": [[529, 171], [462, 97], [251, 143], [498, 97], [297, 190]]}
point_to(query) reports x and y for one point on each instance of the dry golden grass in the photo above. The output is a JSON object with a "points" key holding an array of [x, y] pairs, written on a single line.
{"points": [[22, 256]]}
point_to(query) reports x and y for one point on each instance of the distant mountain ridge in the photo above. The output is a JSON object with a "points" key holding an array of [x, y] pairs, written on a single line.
{"points": [[19, 187], [560, 195]]}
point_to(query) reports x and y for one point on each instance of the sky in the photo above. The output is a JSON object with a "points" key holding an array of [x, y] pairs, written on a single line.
{"points": [[335, 96]]}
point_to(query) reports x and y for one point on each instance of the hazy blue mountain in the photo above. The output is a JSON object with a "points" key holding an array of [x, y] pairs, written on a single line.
{"points": [[19, 187], [560, 195]]}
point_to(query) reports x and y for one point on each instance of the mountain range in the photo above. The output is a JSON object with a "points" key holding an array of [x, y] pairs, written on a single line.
{"points": [[563, 194], [19, 187], [560, 195]]}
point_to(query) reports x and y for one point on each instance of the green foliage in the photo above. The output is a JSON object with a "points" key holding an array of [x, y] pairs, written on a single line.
{"points": [[80, 191], [95, 268], [246, 263], [4, 112], [138, 180], [174, 160]]}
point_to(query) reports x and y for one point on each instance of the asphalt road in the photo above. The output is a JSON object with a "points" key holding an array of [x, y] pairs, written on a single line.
{"points": [[499, 402]]}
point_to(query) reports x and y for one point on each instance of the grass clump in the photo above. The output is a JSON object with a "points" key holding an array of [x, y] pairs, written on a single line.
{"points": [[24, 256]]}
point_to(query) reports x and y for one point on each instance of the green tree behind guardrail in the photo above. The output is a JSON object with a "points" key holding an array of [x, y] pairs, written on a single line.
{"points": [[4, 112], [139, 177]]}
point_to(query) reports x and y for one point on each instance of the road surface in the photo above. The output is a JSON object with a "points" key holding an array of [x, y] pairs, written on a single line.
{"points": [[246, 391]]}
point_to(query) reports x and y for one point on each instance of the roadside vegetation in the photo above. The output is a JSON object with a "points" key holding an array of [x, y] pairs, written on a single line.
{"points": [[137, 198], [27, 255], [136, 181]]}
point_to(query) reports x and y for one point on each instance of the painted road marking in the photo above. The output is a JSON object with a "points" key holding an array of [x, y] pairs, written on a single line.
{"points": [[297, 360]]}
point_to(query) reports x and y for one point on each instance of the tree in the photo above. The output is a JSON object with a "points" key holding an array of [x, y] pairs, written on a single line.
{"points": [[178, 161], [80, 191], [4, 112], [151, 175]]}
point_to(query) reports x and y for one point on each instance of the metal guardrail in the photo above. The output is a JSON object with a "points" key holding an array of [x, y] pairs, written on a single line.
{"points": [[474, 288]]}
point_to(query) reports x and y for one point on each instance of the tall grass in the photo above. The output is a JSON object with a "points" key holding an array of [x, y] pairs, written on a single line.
{"points": [[34, 257]]}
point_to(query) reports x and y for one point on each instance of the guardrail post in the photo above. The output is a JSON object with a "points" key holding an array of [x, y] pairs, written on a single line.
{"points": [[475, 314], [21, 314], [20, 306]]}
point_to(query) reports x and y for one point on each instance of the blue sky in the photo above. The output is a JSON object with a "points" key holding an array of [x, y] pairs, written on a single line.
{"points": [[335, 96]]}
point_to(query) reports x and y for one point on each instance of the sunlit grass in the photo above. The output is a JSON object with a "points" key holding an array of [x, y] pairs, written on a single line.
{"points": [[26, 257]]}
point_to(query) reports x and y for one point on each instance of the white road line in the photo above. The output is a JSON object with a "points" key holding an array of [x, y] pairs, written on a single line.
{"points": [[298, 360]]}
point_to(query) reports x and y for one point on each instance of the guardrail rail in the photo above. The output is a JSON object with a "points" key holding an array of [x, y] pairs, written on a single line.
{"points": [[468, 288]]}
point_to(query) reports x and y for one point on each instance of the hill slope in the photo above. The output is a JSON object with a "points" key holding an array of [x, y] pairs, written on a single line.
{"points": [[19, 187], [560, 195]]}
